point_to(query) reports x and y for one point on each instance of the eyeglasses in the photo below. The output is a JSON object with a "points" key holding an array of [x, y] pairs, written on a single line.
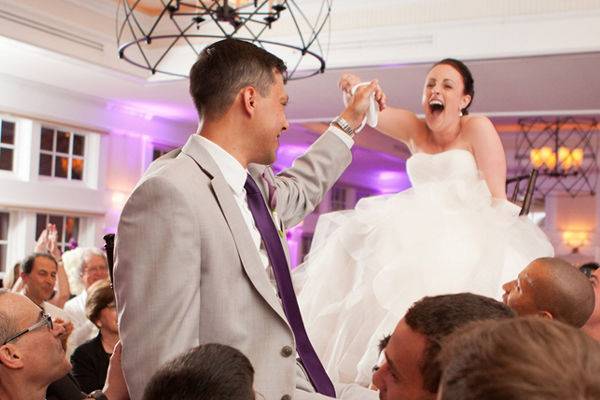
{"points": [[45, 320]]}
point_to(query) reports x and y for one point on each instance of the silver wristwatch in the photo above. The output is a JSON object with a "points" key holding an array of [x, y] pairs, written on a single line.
{"points": [[98, 395], [344, 125]]}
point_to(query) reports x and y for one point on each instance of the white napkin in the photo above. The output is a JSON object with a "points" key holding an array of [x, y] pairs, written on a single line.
{"points": [[371, 117]]}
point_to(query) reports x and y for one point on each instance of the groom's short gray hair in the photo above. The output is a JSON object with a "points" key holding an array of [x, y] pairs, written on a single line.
{"points": [[224, 68]]}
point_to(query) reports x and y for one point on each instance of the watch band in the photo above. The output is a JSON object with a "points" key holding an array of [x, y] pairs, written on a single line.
{"points": [[98, 395], [344, 126]]}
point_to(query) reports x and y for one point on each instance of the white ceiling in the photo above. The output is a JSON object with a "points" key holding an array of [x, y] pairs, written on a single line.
{"points": [[528, 57]]}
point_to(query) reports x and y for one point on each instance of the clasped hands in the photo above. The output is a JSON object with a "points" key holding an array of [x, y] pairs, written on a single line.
{"points": [[360, 100]]}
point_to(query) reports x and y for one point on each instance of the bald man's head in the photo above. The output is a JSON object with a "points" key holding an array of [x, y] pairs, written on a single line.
{"points": [[553, 288]]}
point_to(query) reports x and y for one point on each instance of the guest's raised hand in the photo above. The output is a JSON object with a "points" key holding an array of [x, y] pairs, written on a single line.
{"points": [[41, 245], [53, 247], [67, 329]]}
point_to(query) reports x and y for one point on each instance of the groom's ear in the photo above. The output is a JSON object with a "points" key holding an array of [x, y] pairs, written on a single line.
{"points": [[248, 96]]}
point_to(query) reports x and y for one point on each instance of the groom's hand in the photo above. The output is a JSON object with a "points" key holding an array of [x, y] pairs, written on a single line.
{"points": [[359, 103]]}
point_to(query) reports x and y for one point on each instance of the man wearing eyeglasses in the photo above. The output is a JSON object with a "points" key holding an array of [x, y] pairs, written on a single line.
{"points": [[31, 352], [32, 356]]}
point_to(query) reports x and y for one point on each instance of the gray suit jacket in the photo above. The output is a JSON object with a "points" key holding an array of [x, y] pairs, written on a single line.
{"points": [[187, 271]]}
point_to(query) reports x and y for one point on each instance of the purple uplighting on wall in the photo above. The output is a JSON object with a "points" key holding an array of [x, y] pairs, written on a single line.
{"points": [[369, 168], [149, 110], [287, 153]]}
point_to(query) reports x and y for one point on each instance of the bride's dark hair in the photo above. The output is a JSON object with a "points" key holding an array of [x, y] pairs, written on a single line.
{"points": [[468, 81]]}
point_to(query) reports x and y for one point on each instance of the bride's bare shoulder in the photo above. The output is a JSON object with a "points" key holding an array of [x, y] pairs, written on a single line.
{"points": [[471, 121], [478, 126]]}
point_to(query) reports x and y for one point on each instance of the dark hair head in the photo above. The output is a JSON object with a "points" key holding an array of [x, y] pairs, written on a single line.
{"points": [[562, 290], [528, 358], [467, 78], [100, 296], [29, 261], [224, 68], [437, 317], [207, 372], [589, 268]]}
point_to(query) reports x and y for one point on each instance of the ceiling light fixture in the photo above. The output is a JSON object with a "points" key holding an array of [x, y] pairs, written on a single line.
{"points": [[166, 36]]}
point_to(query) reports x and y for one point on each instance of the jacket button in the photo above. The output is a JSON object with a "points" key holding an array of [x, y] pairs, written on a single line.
{"points": [[286, 397], [287, 351]]}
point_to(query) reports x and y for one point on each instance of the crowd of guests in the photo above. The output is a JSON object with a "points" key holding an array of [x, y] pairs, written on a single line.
{"points": [[85, 325], [449, 347]]}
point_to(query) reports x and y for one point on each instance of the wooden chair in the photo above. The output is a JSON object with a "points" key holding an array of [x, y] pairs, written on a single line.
{"points": [[528, 198]]}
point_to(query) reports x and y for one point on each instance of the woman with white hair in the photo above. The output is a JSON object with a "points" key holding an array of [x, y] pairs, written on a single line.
{"points": [[89, 266]]}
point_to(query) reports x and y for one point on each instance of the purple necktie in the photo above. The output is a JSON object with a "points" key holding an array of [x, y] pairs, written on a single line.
{"points": [[270, 238]]}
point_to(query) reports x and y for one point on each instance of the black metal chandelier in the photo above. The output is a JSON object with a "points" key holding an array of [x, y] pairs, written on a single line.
{"points": [[563, 150], [166, 36]]}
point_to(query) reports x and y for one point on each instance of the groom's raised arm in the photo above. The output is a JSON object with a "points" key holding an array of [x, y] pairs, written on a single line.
{"points": [[301, 187]]}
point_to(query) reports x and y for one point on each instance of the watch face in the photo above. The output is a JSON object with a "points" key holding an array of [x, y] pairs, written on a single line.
{"points": [[98, 395]]}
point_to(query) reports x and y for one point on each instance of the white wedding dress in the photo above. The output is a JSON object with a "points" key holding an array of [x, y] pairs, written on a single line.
{"points": [[368, 265]]}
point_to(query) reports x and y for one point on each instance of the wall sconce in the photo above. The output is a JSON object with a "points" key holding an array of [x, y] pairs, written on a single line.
{"points": [[575, 239], [566, 158], [565, 152]]}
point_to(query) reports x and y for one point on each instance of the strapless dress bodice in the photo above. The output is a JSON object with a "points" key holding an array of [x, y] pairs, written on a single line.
{"points": [[450, 165]]}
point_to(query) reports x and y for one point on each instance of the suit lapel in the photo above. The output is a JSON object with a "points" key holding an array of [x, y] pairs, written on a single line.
{"points": [[239, 230]]}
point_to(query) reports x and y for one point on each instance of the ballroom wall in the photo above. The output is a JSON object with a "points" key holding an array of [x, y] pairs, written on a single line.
{"points": [[120, 145], [60, 69]]}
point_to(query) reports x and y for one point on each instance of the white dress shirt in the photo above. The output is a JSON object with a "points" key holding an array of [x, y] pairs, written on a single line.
{"points": [[235, 175]]}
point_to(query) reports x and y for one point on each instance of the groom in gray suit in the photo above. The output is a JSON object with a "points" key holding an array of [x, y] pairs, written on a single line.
{"points": [[201, 254]]}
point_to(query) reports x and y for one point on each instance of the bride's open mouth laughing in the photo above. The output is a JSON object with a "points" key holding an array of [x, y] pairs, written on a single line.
{"points": [[436, 107]]}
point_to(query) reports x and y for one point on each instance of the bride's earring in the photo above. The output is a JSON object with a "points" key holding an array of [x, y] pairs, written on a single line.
{"points": [[460, 114]]}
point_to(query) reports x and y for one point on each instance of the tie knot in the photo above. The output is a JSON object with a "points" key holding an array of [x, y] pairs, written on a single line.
{"points": [[251, 186]]}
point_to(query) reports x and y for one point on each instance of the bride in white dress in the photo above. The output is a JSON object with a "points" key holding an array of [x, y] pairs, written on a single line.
{"points": [[453, 231]]}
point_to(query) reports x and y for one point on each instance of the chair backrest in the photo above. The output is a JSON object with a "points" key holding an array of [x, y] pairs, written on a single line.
{"points": [[528, 197], [529, 192]]}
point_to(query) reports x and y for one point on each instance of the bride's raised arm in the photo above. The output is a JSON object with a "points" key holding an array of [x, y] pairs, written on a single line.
{"points": [[398, 123]]}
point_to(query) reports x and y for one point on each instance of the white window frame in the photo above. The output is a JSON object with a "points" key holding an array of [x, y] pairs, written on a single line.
{"points": [[336, 202], [12, 147], [54, 153], [5, 242]]}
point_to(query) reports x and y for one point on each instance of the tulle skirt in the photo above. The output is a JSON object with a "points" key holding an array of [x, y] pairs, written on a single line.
{"points": [[368, 265]]}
